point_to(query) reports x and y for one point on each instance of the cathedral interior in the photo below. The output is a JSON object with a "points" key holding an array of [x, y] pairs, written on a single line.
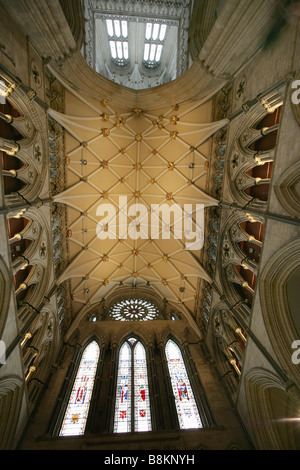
{"points": [[150, 225]]}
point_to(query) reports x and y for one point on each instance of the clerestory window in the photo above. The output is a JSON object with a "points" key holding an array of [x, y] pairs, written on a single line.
{"points": [[117, 31], [154, 40]]}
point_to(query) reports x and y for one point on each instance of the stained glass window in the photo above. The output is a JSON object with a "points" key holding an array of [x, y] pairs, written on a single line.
{"points": [[132, 410], [186, 407], [77, 411], [123, 397], [142, 419], [134, 310]]}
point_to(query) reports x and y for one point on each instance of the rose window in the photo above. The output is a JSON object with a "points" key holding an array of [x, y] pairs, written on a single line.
{"points": [[134, 310]]}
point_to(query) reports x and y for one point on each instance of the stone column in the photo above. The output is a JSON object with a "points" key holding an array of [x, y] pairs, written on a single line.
{"points": [[170, 413], [155, 400], [9, 146]]}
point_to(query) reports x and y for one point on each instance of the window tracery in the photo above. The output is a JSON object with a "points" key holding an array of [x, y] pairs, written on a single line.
{"points": [[187, 411], [133, 378], [134, 310], [154, 41], [75, 418], [117, 30], [132, 408]]}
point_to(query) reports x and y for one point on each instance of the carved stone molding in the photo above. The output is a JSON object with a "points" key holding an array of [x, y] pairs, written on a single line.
{"points": [[287, 189]]}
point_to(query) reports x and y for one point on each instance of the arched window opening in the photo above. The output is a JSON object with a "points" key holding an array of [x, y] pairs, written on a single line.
{"points": [[251, 250], [187, 411], [247, 275], [75, 418], [19, 281], [233, 361], [268, 141], [18, 244], [262, 175], [245, 291], [10, 163], [16, 225], [12, 184], [7, 114], [263, 171], [254, 229], [154, 41], [117, 30], [132, 408]]}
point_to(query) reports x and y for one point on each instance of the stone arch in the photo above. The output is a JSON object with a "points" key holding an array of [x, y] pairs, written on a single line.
{"points": [[5, 293], [273, 411], [276, 304], [11, 395], [287, 189], [237, 270], [247, 161]]}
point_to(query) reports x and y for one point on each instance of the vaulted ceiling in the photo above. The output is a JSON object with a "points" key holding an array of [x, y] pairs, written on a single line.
{"points": [[149, 158]]}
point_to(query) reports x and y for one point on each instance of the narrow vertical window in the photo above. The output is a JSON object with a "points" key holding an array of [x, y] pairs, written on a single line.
{"points": [[123, 397], [186, 407], [141, 392], [117, 31], [154, 40], [132, 409], [75, 418]]}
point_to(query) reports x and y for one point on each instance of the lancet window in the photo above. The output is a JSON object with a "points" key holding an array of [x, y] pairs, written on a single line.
{"points": [[187, 411], [132, 409], [75, 418]]}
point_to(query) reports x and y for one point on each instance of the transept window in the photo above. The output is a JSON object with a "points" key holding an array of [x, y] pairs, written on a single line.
{"points": [[118, 40], [134, 310], [132, 409], [77, 411], [188, 415]]}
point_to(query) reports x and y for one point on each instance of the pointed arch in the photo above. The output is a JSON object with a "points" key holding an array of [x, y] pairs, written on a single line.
{"points": [[122, 422], [76, 414], [186, 407], [132, 406]]}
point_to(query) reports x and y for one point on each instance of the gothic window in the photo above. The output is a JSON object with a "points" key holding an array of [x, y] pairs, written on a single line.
{"points": [[118, 40], [75, 418], [132, 408], [187, 411], [154, 39], [134, 310]]}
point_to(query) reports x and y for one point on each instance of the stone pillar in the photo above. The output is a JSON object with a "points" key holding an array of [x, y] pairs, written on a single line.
{"points": [[19, 263], [6, 118], [9, 146], [155, 400], [108, 417], [264, 157], [170, 413], [16, 238]]}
